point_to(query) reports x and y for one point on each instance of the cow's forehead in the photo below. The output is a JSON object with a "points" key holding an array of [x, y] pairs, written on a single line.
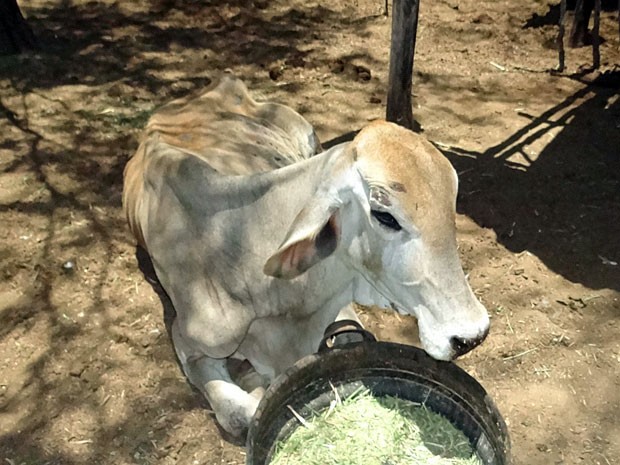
{"points": [[410, 169]]}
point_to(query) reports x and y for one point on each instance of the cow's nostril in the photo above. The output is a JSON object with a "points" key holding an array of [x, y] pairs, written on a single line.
{"points": [[462, 345]]}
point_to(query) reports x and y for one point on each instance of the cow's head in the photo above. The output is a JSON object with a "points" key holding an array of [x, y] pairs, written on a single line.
{"points": [[389, 209]]}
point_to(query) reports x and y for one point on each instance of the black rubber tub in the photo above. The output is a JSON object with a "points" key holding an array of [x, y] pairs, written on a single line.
{"points": [[385, 369]]}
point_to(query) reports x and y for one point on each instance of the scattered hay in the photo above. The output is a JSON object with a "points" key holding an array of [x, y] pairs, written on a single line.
{"points": [[368, 430]]}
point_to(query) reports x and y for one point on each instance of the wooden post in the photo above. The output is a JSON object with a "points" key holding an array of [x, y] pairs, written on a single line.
{"points": [[404, 28]]}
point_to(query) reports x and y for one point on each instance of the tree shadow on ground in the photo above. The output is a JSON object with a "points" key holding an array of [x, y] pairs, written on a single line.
{"points": [[70, 115], [94, 48], [95, 43], [562, 204], [125, 62]]}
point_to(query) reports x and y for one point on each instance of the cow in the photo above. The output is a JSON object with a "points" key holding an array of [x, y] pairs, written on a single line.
{"points": [[261, 240]]}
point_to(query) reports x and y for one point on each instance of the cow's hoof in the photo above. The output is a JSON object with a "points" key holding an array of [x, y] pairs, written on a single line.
{"points": [[235, 419], [580, 39]]}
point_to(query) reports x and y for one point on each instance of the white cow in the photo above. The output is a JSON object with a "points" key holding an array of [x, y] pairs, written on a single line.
{"points": [[260, 244]]}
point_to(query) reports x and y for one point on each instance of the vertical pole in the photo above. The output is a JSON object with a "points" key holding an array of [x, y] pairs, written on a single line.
{"points": [[596, 52], [404, 28], [561, 53]]}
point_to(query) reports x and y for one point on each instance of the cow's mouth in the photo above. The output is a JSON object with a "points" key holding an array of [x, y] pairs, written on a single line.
{"points": [[432, 346]]}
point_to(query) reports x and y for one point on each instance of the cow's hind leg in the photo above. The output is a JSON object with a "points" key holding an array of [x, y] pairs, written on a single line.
{"points": [[233, 407], [148, 270]]}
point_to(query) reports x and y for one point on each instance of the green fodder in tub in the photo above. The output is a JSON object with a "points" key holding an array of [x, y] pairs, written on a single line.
{"points": [[368, 430]]}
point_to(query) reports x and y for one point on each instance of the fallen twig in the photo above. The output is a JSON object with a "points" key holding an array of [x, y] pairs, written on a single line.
{"points": [[521, 354]]}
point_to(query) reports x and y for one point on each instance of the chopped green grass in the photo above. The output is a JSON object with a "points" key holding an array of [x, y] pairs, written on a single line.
{"points": [[369, 430]]}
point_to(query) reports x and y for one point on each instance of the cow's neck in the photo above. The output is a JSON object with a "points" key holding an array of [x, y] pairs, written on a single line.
{"points": [[328, 285]]}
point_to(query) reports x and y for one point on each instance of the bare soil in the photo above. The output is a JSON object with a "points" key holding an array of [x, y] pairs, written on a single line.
{"points": [[87, 374]]}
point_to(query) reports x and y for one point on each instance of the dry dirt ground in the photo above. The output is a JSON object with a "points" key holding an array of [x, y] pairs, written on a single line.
{"points": [[87, 375]]}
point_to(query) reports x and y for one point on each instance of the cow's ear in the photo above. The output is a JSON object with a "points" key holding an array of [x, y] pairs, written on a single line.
{"points": [[312, 237]]}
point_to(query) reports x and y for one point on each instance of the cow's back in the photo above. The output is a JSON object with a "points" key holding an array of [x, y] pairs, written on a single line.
{"points": [[232, 132], [224, 127]]}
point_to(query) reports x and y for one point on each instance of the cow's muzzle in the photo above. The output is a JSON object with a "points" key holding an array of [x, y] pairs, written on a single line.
{"points": [[463, 345]]}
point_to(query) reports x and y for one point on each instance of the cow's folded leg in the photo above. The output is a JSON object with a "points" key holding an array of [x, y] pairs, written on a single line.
{"points": [[252, 382], [246, 377], [233, 407]]}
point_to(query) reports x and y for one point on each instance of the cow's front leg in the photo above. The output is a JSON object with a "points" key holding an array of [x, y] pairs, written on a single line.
{"points": [[233, 407]]}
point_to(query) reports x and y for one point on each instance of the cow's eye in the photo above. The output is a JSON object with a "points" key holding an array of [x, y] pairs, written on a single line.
{"points": [[386, 219]]}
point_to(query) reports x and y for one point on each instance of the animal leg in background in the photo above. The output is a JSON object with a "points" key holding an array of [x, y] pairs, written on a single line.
{"points": [[579, 35]]}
